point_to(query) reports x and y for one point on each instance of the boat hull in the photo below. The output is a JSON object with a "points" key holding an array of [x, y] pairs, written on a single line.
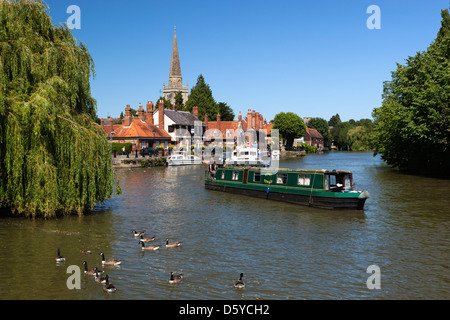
{"points": [[183, 162], [333, 201]]}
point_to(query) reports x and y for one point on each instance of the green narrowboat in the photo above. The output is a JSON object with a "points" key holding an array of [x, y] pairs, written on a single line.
{"points": [[317, 188]]}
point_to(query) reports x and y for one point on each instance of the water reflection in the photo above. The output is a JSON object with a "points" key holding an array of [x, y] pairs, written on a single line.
{"points": [[285, 251]]}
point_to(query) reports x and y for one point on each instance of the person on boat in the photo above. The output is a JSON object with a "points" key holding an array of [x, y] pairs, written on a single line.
{"points": [[213, 169]]}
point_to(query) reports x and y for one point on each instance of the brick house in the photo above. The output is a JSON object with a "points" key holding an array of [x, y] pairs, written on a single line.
{"points": [[140, 131], [313, 138]]}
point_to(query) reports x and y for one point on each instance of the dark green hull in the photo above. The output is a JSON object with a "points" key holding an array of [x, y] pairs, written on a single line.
{"points": [[288, 193]]}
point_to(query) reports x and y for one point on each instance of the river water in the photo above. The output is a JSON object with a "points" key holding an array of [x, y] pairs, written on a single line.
{"points": [[285, 251]]}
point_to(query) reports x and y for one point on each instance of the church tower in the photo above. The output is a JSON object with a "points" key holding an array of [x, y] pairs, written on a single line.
{"points": [[175, 80]]}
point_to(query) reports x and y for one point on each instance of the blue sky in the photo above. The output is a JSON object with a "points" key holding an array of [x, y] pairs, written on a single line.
{"points": [[314, 58]]}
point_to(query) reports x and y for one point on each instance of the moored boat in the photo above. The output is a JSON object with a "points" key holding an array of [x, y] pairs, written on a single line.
{"points": [[317, 188], [246, 156], [179, 158]]}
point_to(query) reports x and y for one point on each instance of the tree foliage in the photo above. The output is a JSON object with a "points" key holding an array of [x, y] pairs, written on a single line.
{"points": [[226, 113], [290, 126], [179, 103], [201, 96], [412, 129], [167, 104], [54, 158], [334, 120]]}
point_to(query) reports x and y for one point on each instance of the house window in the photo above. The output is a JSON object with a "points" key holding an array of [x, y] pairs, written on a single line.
{"points": [[281, 178], [235, 175], [257, 177], [304, 179]]}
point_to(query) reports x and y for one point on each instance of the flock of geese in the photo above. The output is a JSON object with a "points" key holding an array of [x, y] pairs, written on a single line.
{"points": [[109, 287]]}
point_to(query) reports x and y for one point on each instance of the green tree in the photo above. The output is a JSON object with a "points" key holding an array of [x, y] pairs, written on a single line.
{"points": [[54, 158], [167, 105], [321, 125], [201, 96], [359, 138], [179, 103], [339, 135], [226, 113], [334, 120], [412, 126], [290, 126]]}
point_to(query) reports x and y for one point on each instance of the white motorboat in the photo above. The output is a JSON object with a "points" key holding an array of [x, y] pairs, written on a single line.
{"points": [[247, 156], [181, 158]]}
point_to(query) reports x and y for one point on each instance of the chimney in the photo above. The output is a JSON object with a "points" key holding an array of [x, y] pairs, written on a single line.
{"points": [[249, 119], [149, 115], [111, 128], [206, 121], [218, 121], [127, 119], [240, 116], [161, 114], [141, 113], [253, 120], [195, 111], [257, 120]]}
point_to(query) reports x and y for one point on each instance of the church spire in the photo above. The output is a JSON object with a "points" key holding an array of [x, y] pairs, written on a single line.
{"points": [[175, 69], [175, 80]]}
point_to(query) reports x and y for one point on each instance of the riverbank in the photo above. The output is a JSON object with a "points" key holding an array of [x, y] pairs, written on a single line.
{"points": [[292, 154], [132, 161], [121, 161]]}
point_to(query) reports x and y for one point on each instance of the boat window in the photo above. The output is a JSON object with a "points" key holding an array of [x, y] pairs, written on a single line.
{"points": [[257, 177], [347, 183], [281, 178], [223, 174], [304, 179], [332, 180], [235, 175]]}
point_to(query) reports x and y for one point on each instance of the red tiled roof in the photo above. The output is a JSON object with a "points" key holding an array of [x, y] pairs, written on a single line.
{"points": [[137, 129], [313, 133], [108, 130], [227, 125]]}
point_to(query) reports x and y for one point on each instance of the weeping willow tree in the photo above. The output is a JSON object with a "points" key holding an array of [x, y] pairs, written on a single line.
{"points": [[54, 158]]}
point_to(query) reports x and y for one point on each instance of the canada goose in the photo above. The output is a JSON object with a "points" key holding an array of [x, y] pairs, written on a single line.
{"points": [[86, 251], [110, 262], [175, 278], [138, 233], [59, 257], [147, 239], [172, 244], [99, 279], [148, 247], [239, 283], [108, 287], [90, 272]]}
